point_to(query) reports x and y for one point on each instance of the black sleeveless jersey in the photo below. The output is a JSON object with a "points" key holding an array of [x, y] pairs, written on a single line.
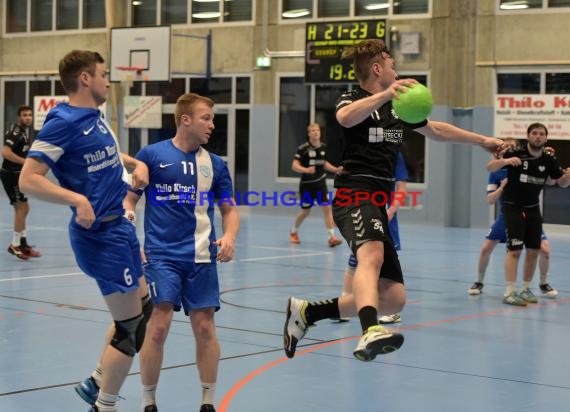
{"points": [[309, 155], [17, 139], [527, 180], [372, 146]]}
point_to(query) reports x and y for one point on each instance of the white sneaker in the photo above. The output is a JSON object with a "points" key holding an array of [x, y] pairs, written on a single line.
{"points": [[387, 319], [548, 291], [295, 325], [476, 288], [377, 341]]}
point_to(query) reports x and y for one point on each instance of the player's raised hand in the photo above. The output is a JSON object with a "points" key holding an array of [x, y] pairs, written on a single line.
{"points": [[400, 86], [494, 146]]}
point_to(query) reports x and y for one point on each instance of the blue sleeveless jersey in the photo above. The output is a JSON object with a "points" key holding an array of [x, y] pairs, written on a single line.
{"points": [[81, 150], [179, 212]]}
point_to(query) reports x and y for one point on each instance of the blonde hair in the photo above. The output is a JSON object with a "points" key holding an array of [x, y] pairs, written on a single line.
{"points": [[185, 105], [313, 125]]}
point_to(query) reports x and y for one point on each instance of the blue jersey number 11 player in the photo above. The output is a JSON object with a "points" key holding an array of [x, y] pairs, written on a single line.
{"points": [[181, 245]]}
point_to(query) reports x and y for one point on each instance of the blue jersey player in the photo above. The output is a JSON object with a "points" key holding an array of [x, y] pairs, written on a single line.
{"points": [[80, 149], [181, 246]]}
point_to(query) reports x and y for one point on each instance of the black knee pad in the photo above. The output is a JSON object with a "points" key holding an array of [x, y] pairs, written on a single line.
{"points": [[129, 335], [147, 307]]}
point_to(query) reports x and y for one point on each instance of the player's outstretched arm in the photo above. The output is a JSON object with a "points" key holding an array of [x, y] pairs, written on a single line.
{"points": [[446, 132]]}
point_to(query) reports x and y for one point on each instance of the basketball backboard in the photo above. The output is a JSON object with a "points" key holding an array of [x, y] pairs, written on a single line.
{"points": [[146, 49]]}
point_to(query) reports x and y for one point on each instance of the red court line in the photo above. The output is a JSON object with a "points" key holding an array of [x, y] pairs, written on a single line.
{"points": [[225, 403]]}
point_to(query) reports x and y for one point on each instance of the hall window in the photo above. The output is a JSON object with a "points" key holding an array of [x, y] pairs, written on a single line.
{"points": [[53, 15], [529, 5], [307, 9], [164, 12]]}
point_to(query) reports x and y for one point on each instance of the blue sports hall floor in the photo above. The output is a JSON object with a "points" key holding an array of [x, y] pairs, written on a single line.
{"points": [[462, 353]]}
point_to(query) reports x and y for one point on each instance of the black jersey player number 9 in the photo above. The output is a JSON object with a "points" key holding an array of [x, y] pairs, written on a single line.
{"points": [[325, 43]]}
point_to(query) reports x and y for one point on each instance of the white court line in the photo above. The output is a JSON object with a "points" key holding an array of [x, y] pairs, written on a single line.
{"points": [[42, 277], [284, 256], [283, 248], [236, 260]]}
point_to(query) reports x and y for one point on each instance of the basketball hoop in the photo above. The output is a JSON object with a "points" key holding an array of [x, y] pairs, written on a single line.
{"points": [[131, 73]]}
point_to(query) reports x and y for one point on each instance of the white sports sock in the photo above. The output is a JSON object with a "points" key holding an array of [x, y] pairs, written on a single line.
{"points": [[294, 229], [106, 402], [511, 287], [330, 232], [543, 278], [480, 277], [97, 375], [525, 285], [208, 393], [16, 239], [148, 395]]}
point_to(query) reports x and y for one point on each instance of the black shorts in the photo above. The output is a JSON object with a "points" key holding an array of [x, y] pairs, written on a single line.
{"points": [[314, 193], [10, 183], [523, 226], [366, 222]]}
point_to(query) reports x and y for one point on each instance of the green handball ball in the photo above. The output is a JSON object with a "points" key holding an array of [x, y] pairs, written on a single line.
{"points": [[414, 105]]}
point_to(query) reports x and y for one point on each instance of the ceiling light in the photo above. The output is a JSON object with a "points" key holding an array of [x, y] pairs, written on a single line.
{"points": [[377, 6], [293, 14], [137, 2], [206, 15], [514, 5]]}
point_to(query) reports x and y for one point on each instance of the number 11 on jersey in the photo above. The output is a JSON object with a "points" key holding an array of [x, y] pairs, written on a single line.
{"points": [[187, 168]]}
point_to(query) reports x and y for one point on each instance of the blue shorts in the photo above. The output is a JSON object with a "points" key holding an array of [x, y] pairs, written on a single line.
{"points": [[395, 232], [497, 232], [110, 254], [352, 263], [184, 284]]}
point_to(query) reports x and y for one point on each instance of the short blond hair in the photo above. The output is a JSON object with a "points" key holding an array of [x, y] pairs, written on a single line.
{"points": [[185, 105], [313, 125]]}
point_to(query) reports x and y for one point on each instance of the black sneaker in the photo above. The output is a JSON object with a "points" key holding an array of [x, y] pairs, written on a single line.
{"points": [[207, 408], [28, 250], [150, 408], [476, 289]]}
